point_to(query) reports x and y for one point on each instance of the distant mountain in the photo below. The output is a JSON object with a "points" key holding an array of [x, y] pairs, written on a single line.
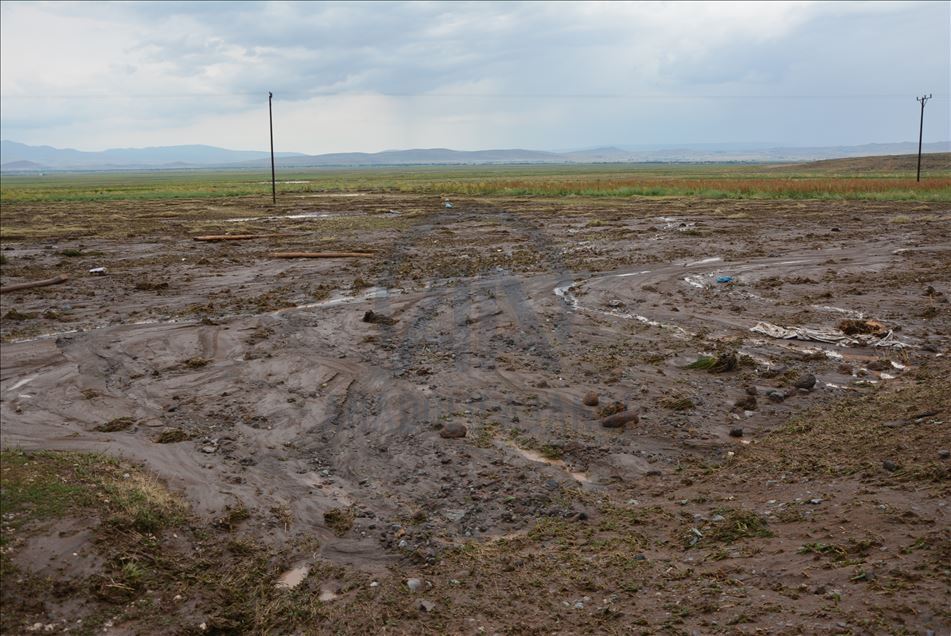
{"points": [[17, 157], [420, 156], [22, 166], [165, 156]]}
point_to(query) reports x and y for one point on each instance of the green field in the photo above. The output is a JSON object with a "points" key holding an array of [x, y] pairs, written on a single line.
{"points": [[881, 178]]}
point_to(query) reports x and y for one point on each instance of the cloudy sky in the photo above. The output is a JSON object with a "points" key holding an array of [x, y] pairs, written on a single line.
{"points": [[373, 76]]}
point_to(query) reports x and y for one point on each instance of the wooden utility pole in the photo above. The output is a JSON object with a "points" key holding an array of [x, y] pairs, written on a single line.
{"points": [[921, 127], [270, 116]]}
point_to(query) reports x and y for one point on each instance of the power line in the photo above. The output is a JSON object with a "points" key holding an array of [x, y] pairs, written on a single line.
{"points": [[314, 94]]}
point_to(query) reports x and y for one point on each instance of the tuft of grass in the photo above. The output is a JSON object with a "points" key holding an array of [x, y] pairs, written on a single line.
{"points": [[195, 362], [340, 520], [117, 424], [677, 403], [171, 436]]}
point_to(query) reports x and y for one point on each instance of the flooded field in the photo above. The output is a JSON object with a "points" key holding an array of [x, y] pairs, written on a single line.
{"points": [[687, 414]]}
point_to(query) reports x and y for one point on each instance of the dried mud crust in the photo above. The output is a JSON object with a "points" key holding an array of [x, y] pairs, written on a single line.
{"points": [[500, 316]]}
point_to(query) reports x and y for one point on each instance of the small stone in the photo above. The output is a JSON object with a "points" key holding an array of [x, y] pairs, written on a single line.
{"points": [[889, 465], [374, 584], [806, 381], [751, 390], [775, 396], [542, 385], [453, 430], [590, 399], [747, 403], [414, 584], [736, 432], [618, 420], [816, 501], [426, 605]]}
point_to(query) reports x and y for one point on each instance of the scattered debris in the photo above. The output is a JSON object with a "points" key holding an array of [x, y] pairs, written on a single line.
{"points": [[828, 336], [46, 282]]}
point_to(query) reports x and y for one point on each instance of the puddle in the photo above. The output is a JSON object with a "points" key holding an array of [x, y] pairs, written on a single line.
{"points": [[541, 459], [704, 261], [21, 383], [293, 577], [646, 271], [369, 294], [564, 292], [302, 215]]}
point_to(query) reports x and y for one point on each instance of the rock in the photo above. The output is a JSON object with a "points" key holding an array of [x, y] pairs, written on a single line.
{"points": [[542, 385], [375, 318], [890, 466], [772, 372], [775, 396], [426, 605], [590, 399], [453, 430], [618, 420], [751, 390], [747, 403], [944, 453], [806, 381], [736, 432], [612, 408], [414, 584]]}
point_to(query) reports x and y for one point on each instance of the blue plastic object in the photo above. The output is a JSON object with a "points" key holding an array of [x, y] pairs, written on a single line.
{"points": [[724, 279]]}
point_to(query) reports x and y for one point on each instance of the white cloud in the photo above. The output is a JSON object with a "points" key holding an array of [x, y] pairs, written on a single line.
{"points": [[199, 72]]}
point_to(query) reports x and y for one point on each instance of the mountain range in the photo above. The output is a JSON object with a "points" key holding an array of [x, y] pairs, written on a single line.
{"points": [[17, 157]]}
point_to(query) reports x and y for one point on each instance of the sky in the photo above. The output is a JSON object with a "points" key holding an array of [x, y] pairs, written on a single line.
{"points": [[372, 76]]}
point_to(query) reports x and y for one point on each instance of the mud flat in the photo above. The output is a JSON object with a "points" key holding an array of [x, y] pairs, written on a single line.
{"points": [[418, 414]]}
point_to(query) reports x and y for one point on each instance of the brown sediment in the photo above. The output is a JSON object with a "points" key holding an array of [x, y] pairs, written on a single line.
{"points": [[296, 400]]}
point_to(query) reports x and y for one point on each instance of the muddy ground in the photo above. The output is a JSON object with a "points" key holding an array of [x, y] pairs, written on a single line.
{"points": [[317, 403]]}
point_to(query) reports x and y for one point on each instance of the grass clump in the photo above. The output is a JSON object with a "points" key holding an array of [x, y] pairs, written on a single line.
{"points": [[171, 436], [116, 424], [340, 520], [677, 403]]}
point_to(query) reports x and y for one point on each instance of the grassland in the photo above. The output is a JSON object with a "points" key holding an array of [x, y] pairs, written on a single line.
{"points": [[885, 179]]}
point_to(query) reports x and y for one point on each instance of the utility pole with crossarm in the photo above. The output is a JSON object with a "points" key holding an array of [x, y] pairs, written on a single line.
{"points": [[921, 127]]}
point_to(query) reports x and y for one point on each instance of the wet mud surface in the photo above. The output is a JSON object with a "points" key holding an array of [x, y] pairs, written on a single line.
{"points": [[260, 384]]}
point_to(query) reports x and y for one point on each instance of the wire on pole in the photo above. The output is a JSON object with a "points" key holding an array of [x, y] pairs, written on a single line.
{"points": [[921, 127]]}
